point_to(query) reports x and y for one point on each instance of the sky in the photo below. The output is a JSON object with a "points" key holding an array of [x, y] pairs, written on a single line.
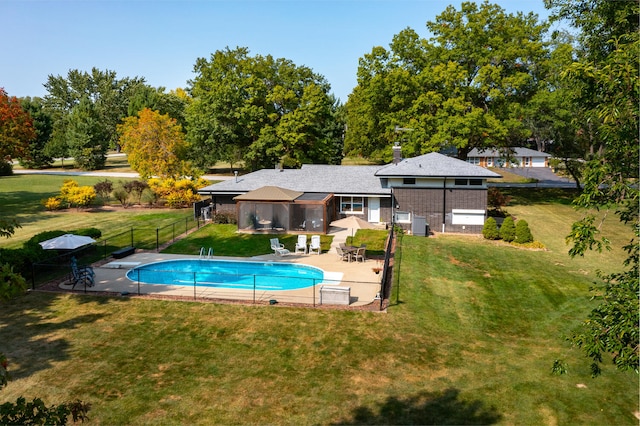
{"points": [[161, 40]]}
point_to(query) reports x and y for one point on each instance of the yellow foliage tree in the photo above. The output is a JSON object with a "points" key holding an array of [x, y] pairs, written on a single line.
{"points": [[155, 145]]}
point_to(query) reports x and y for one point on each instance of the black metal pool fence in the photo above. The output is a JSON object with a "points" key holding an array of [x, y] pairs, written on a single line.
{"points": [[144, 238]]}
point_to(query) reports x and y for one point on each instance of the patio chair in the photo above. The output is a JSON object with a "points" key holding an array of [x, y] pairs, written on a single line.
{"points": [[360, 254], [301, 245], [81, 274], [278, 247], [315, 244], [343, 255]]}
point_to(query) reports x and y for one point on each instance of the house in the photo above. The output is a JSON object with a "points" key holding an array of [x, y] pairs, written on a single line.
{"points": [[443, 193], [513, 157]]}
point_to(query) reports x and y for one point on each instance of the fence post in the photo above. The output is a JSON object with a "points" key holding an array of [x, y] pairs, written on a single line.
{"points": [[105, 249], [186, 225], [138, 270], [194, 286], [157, 239], [314, 292], [173, 231], [132, 237], [254, 288]]}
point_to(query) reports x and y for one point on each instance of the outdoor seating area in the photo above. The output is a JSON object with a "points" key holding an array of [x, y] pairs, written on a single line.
{"points": [[352, 253]]}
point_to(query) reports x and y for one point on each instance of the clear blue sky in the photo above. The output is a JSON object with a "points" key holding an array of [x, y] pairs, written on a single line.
{"points": [[160, 40]]}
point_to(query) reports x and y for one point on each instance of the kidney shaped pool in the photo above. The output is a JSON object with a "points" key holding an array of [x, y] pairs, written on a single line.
{"points": [[229, 274]]}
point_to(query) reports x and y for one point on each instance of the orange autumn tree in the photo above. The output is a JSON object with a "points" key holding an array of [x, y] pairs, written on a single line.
{"points": [[155, 145], [16, 128]]}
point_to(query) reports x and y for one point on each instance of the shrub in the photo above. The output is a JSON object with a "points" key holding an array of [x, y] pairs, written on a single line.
{"points": [[122, 196], [523, 233], [490, 229], [75, 195], [36, 412], [103, 189], [52, 203], [508, 230], [12, 284], [94, 233], [224, 217], [6, 168]]}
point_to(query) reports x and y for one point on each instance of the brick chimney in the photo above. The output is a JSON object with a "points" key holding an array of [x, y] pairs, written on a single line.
{"points": [[397, 153]]}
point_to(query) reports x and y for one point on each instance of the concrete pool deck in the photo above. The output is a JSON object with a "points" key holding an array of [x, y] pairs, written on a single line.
{"points": [[364, 284]]}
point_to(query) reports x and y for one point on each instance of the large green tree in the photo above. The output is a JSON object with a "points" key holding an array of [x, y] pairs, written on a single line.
{"points": [[100, 92], [261, 109], [466, 87], [610, 98], [156, 99], [43, 126]]}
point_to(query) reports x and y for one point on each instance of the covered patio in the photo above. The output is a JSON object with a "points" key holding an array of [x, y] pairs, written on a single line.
{"points": [[274, 209]]}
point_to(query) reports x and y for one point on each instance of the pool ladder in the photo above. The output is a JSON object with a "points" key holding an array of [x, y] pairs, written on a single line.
{"points": [[208, 254]]}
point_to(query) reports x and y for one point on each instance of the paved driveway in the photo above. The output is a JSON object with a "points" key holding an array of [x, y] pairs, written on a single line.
{"points": [[545, 176]]}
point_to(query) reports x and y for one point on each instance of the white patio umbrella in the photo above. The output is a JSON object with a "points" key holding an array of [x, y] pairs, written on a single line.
{"points": [[67, 242], [351, 222]]}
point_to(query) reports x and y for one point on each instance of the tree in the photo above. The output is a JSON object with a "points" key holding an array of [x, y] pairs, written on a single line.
{"points": [[103, 100], [85, 140], [466, 87], [43, 127], [155, 145], [523, 233], [607, 72], [173, 103], [490, 229], [16, 128], [508, 229], [266, 110]]}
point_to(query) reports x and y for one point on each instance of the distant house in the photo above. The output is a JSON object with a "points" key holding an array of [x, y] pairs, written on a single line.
{"points": [[447, 194], [513, 157]]}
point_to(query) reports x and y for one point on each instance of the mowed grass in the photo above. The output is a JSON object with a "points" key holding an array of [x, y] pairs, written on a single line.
{"points": [[21, 199], [470, 338]]}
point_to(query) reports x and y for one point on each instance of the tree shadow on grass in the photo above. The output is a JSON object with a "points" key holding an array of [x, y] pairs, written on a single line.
{"points": [[28, 333], [426, 408]]}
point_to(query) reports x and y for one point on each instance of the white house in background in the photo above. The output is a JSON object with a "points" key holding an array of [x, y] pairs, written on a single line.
{"points": [[513, 157]]}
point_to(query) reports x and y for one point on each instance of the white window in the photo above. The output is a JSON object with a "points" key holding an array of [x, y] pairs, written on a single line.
{"points": [[351, 205], [489, 161], [403, 217], [473, 160], [467, 217]]}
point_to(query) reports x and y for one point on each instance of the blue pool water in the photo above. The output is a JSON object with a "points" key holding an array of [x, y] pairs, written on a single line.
{"points": [[238, 275]]}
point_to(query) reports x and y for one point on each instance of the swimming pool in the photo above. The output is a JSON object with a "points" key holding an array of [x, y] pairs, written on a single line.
{"points": [[228, 274]]}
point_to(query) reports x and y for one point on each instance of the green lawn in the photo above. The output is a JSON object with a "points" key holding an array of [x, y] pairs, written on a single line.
{"points": [[470, 337], [21, 196]]}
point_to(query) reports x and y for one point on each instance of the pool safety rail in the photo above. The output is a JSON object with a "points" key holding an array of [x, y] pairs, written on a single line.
{"points": [[254, 288]]}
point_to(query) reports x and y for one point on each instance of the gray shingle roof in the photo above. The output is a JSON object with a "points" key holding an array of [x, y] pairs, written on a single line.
{"points": [[349, 179], [434, 165], [310, 178]]}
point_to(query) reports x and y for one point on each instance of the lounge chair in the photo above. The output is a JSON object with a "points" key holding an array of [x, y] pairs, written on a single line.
{"points": [[315, 244], [301, 245], [81, 274], [278, 247]]}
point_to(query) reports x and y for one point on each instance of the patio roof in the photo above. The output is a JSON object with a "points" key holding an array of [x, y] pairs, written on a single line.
{"points": [[269, 193]]}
